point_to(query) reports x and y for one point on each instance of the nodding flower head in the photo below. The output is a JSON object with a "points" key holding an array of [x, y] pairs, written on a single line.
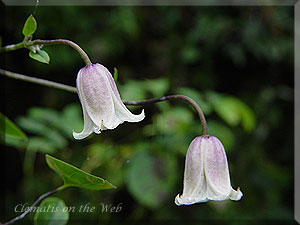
{"points": [[206, 175], [101, 102]]}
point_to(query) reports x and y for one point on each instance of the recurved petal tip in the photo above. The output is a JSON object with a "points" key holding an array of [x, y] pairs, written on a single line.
{"points": [[82, 135], [177, 200], [235, 195], [180, 200]]}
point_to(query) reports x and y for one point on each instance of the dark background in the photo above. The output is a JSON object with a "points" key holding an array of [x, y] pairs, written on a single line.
{"points": [[236, 62]]}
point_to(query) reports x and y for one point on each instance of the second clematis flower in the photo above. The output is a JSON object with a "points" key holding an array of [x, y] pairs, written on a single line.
{"points": [[206, 175], [101, 102]]}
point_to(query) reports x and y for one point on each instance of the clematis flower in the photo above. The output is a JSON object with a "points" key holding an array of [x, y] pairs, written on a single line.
{"points": [[101, 102], [206, 175]]}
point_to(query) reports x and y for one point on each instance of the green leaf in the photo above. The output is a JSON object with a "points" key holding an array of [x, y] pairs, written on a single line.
{"points": [[150, 178], [133, 90], [38, 144], [50, 139], [226, 108], [175, 121], [157, 87], [29, 26], [233, 111], [52, 210], [9, 129], [41, 56], [224, 133], [247, 117], [74, 177], [70, 119], [116, 73]]}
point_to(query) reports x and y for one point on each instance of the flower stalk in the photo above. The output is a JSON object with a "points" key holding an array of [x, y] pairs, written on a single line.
{"points": [[143, 102], [172, 97], [27, 43]]}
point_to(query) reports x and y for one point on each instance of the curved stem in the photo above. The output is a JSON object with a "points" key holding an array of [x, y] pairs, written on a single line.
{"points": [[27, 43], [143, 102], [171, 97], [72, 44], [29, 209]]}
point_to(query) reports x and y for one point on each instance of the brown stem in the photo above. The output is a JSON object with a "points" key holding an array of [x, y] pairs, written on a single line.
{"points": [[170, 97], [75, 46], [143, 102], [28, 43]]}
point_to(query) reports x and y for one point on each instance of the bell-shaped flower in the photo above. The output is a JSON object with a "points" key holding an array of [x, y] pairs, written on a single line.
{"points": [[206, 175], [101, 102]]}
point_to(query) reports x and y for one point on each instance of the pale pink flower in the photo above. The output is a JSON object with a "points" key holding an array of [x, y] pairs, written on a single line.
{"points": [[206, 175], [101, 102]]}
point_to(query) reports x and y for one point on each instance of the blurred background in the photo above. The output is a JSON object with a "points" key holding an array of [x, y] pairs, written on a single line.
{"points": [[237, 63]]}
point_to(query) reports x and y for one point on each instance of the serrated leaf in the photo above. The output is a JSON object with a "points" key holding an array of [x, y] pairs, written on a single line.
{"points": [[74, 177], [30, 26], [9, 129], [52, 211], [41, 56], [116, 73]]}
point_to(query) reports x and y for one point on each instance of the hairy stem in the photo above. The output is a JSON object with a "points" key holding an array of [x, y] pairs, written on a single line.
{"points": [[29, 209], [13, 47], [143, 102], [28, 43]]}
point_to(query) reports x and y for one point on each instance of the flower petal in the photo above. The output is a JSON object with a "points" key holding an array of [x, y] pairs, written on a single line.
{"points": [[216, 171], [194, 185], [88, 127], [96, 96], [104, 70], [124, 114], [101, 102], [206, 175], [235, 194], [121, 112]]}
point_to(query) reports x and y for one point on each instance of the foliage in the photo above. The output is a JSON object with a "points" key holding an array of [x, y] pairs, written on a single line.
{"points": [[235, 62], [74, 177], [51, 209]]}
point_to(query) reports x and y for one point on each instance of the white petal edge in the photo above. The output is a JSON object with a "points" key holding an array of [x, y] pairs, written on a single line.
{"points": [[179, 200], [88, 126], [235, 195]]}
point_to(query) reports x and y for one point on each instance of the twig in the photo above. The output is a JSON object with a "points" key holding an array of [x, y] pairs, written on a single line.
{"points": [[28, 43], [171, 97], [28, 210], [143, 102], [34, 80]]}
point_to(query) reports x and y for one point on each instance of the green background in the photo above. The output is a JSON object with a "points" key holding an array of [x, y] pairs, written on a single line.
{"points": [[236, 62]]}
